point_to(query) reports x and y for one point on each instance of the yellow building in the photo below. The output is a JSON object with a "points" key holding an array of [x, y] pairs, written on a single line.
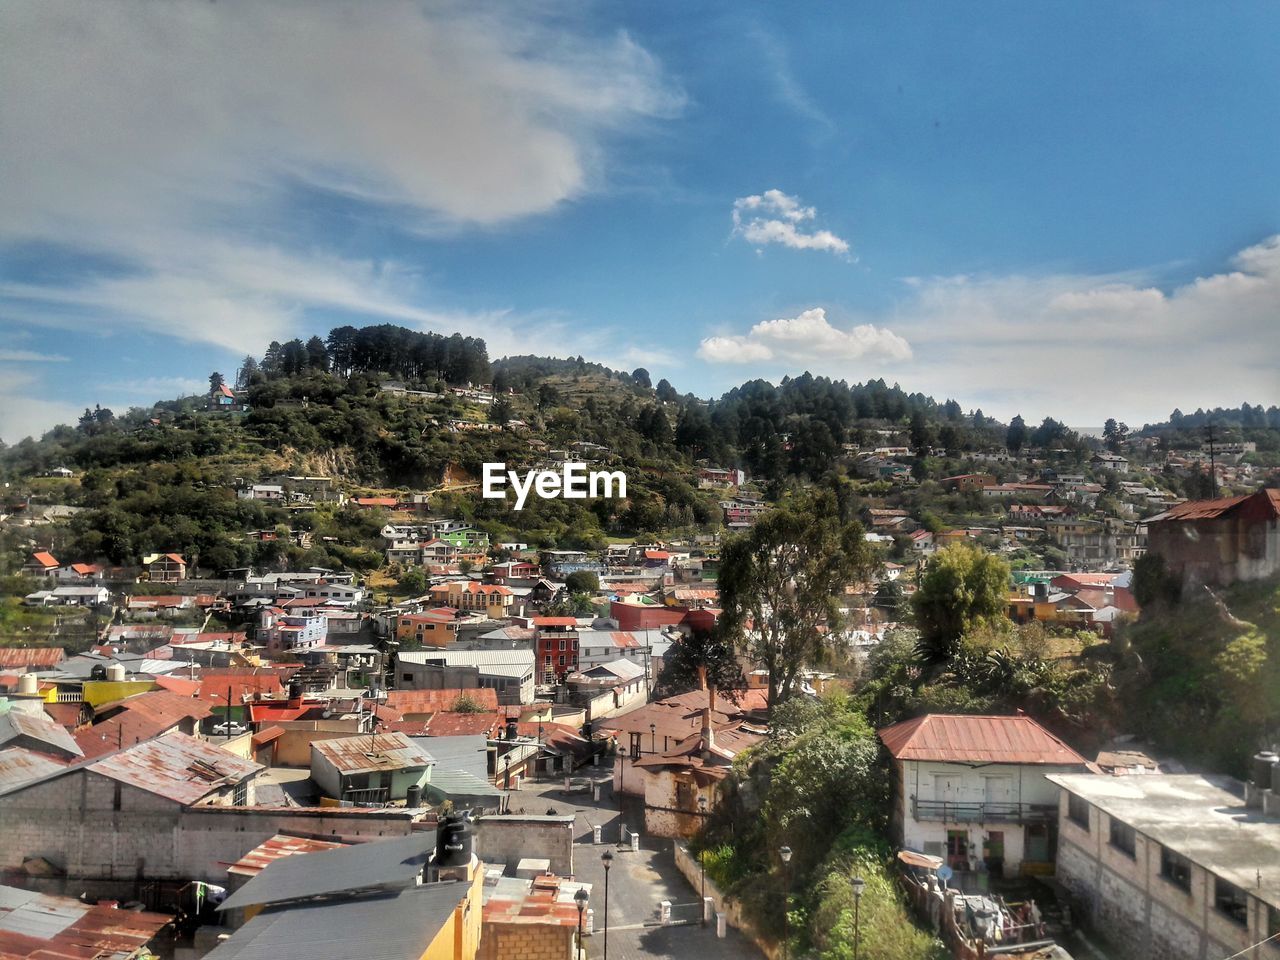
{"points": [[491, 599]]}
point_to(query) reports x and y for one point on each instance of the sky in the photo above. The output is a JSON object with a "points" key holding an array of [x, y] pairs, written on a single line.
{"points": [[1049, 210]]}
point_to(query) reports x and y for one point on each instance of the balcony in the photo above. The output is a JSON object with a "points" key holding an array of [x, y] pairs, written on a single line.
{"points": [[949, 811]]}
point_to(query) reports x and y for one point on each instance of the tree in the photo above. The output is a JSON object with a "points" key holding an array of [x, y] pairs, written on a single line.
{"points": [[709, 650], [317, 354], [501, 410], [413, 582], [1114, 434], [962, 587], [216, 382], [921, 434], [666, 392], [780, 584], [582, 581], [248, 374], [1016, 435], [641, 378]]}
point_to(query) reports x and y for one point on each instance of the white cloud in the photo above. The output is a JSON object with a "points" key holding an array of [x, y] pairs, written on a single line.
{"points": [[151, 389], [30, 356], [174, 138], [1089, 346], [775, 217], [806, 339], [28, 408]]}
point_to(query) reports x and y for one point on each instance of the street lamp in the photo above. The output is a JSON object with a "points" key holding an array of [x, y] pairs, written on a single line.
{"points": [[785, 853], [653, 738], [580, 898], [606, 858], [858, 886], [506, 770], [702, 858]]}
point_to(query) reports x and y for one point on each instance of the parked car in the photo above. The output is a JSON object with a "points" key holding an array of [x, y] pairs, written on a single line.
{"points": [[232, 729]]}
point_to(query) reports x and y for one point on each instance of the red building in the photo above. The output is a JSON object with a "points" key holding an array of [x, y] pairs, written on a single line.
{"points": [[556, 643]]}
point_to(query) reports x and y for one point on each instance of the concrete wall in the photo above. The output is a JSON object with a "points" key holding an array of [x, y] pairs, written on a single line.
{"points": [[72, 822], [293, 748], [511, 838], [664, 814], [1128, 901], [459, 938], [688, 865]]}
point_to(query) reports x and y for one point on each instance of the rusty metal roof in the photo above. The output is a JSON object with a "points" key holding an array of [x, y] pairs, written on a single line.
{"points": [[1263, 505], [39, 727], [176, 767], [41, 658], [955, 738], [19, 766], [43, 926], [278, 847], [375, 752]]}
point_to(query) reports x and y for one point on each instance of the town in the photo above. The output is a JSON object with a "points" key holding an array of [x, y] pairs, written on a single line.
{"points": [[904, 673]]}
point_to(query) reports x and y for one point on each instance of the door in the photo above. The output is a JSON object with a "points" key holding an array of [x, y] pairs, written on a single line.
{"points": [[993, 853], [958, 849], [1037, 843], [946, 789], [997, 794]]}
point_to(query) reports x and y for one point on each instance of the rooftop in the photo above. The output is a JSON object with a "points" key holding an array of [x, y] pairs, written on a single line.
{"points": [[373, 753], [379, 864], [176, 767], [1203, 818], [277, 848], [957, 738], [48, 927]]}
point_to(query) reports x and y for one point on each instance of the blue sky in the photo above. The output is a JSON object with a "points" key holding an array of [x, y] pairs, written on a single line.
{"points": [[1066, 211]]}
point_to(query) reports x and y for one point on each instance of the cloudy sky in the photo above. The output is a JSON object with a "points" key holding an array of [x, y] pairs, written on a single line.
{"points": [[1066, 211]]}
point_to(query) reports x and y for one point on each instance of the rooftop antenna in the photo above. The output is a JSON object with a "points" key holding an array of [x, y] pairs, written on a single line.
{"points": [[1213, 464]]}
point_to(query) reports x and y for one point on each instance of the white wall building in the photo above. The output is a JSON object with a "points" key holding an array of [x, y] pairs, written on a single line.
{"points": [[973, 789]]}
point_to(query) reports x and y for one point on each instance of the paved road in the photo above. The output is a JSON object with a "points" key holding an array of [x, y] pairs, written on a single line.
{"points": [[637, 883]]}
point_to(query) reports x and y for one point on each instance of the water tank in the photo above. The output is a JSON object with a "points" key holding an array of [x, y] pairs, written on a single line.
{"points": [[1261, 768], [98, 672], [28, 685], [413, 797], [295, 690], [115, 672], [1275, 777], [512, 730], [453, 841]]}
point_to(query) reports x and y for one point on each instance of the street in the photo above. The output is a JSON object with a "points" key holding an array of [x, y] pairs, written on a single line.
{"points": [[638, 882]]}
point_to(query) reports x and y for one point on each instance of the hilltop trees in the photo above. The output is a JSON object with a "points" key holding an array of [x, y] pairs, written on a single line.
{"points": [[1016, 436]]}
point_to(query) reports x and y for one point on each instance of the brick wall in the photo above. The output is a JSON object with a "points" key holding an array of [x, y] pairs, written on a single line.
{"points": [[525, 941]]}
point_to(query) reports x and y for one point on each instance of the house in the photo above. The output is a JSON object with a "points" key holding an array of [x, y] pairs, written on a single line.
{"points": [[223, 399], [333, 594], [556, 645], [280, 631], [742, 512], [1175, 866], [509, 673], [530, 917], [922, 543], [493, 600], [663, 726], [1219, 542], [377, 768], [432, 628], [966, 482], [41, 564], [142, 717], [165, 567], [1109, 461], [69, 596], [973, 789]]}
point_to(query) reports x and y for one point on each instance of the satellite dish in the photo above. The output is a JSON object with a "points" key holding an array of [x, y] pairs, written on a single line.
{"points": [[945, 873]]}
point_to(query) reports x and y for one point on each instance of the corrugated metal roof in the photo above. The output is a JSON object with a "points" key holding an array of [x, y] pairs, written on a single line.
{"points": [[955, 738], [1263, 505], [395, 927], [47, 927], [277, 848], [460, 783], [18, 766], [362, 866], [367, 754], [39, 658], [469, 753], [176, 767], [42, 916], [36, 726]]}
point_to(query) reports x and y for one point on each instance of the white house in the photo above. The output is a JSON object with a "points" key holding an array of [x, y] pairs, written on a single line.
{"points": [[973, 789]]}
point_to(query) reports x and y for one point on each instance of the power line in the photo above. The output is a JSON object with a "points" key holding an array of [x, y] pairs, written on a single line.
{"points": [[1252, 946]]}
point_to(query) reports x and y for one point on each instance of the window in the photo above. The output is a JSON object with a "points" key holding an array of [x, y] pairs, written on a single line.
{"points": [[562, 645], [1122, 837], [635, 745], [1078, 811], [240, 797], [406, 676], [562, 659], [115, 796], [1175, 868], [1231, 900]]}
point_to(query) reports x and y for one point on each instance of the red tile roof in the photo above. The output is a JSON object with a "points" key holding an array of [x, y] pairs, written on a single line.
{"points": [[554, 622], [44, 559], [956, 738]]}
